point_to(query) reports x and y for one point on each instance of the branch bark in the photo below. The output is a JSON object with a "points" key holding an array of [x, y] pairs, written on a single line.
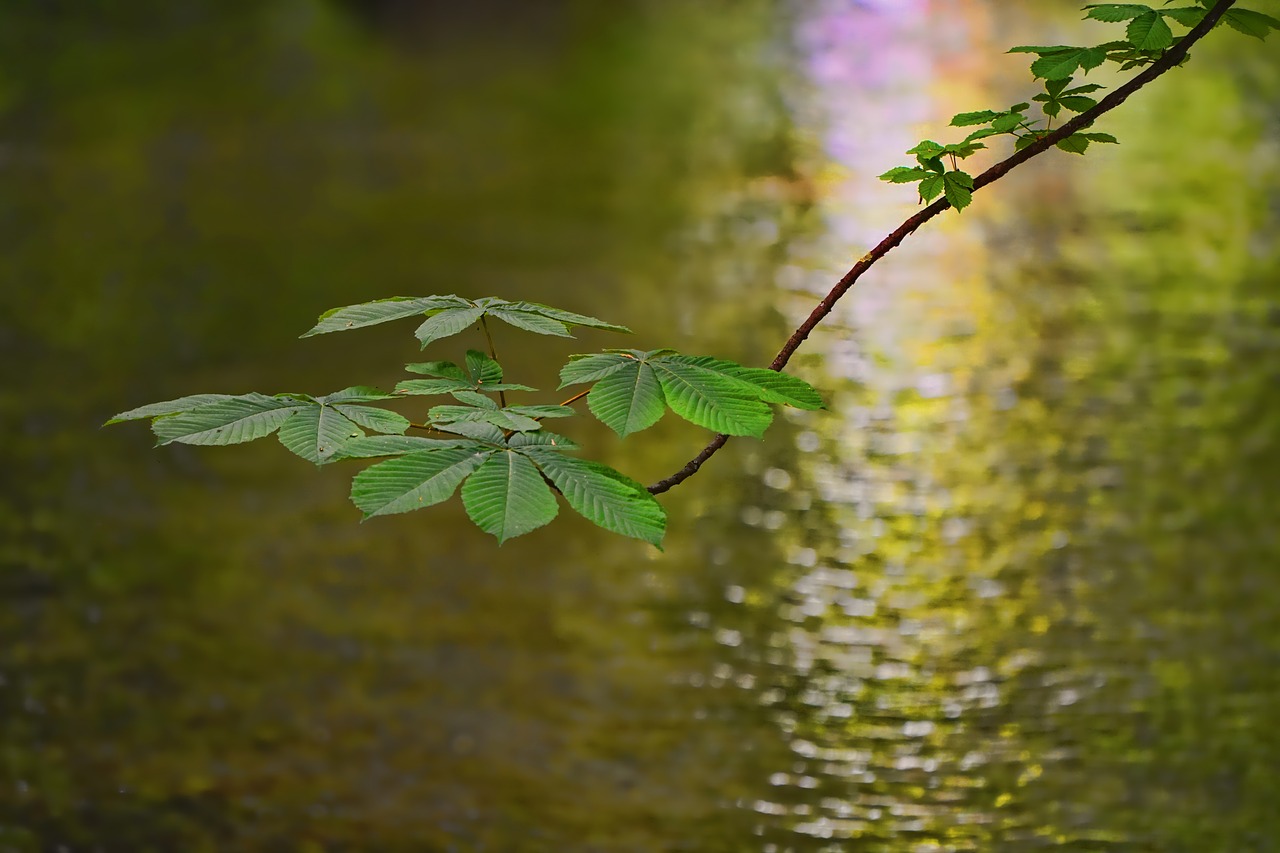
{"points": [[1171, 59]]}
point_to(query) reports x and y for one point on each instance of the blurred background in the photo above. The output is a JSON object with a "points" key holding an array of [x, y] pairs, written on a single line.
{"points": [[1017, 589]]}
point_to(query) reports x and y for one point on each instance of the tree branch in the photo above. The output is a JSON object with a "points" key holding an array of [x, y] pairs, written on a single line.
{"points": [[1171, 58]]}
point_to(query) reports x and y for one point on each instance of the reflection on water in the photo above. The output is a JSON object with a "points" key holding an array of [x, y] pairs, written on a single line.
{"points": [[1014, 590], [1031, 592]]}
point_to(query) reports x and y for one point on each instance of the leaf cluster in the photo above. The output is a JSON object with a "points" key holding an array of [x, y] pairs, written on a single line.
{"points": [[1147, 36], [508, 466]]}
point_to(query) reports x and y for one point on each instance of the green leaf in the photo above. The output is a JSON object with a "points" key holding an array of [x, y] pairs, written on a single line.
{"points": [[477, 430], [541, 437], [1025, 141], [169, 407], [1188, 16], [1251, 23], [370, 446], [1076, 143], [355, 394], [931, 187], [380, 311], [568, 317], [1055, 66], [982, 133], [603, 496], [415, 480], [1078, 103], [710, 400], [959, 189], [317, 432], [1101, 137], [232, 421], [771, 386], [904, 174], [507, 497], [507, 419], [481, 369], [530, 322], [589, 368], [1149, 32], [777, 387], [926, 150], [475, 398], [446, 323], [1007, 122], [378, 420], [1042, 50], [967, 119], [627, 400], [542, 411], [1114, 12], [440, 369], [423, 387]]}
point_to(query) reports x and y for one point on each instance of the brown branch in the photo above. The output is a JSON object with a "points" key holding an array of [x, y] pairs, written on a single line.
{"points": [[1170, 59]]}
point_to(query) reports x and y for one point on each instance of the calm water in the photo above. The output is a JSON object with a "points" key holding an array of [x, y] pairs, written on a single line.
{"points": [[1017, 589]]}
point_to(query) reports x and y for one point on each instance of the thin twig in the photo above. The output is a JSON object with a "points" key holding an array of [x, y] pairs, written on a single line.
{"points": [[576, 397], [1171, 58]]}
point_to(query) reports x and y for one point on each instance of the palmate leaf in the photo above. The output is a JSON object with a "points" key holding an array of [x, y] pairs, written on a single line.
{"points": [[377, 420], [507, 496], [230, 421], [603, 495], [415, 480], [451, 314]]}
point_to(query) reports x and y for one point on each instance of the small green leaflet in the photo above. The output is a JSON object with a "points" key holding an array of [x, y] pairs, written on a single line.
{"points": [[169, 407], [415, 480], [632, 389], [1149, 31], [507, 496], [315, 428], [1114, 12], [232, 421], [1077, 143], [451, 314]]}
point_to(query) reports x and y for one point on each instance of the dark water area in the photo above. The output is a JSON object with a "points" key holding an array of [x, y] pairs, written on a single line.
{"points": [[1016, 589]]}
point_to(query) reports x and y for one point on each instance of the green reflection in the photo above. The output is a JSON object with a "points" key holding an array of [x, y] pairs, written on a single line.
{"points": [[205, 651]]}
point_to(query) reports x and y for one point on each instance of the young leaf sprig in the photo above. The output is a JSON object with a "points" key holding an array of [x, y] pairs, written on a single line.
{"points": [[1147, 36], [508, 467]]}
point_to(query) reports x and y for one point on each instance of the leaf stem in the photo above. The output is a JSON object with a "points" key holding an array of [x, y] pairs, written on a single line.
{"points": [[1170, 59], [493, 354]]}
